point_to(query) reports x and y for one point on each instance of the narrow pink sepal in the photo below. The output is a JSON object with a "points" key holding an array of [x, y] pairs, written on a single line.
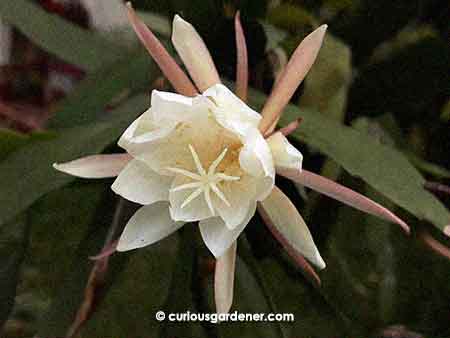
{"points": [[224, 280], [434, 245], [291, 127], [95, 166], [106, 252], [166, 63], [342, 194], [295, 71], [307, 270], [242, 60]]}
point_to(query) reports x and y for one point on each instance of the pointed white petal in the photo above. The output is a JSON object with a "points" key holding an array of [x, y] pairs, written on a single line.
{"points": [[148, 225], [217, 237], [195, 210], [293, 74], [194, 53], [256, 159], [140, 184], [287, 220], [230, 111], [171, 107], [96, 166], [224, 280], [284, 154]]}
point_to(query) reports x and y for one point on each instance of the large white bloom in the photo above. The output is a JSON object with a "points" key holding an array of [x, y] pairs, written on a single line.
{"points": [[210, 158], [205, 156]]}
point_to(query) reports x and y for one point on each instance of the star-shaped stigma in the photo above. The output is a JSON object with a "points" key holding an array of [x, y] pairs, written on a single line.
{"points": [[204, 181]]}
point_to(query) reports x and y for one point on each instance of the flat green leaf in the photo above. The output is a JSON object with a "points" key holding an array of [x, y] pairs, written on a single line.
{"points": [[29, 170], [90, 98], [287, 292], [10, 140], [13, 240], [57, 36], [70, 269], [384, 168]]}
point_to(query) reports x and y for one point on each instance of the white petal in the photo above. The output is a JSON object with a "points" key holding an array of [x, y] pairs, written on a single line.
{"points": [[217, 237], [140, 184], [167, 106], [194, 53], [148, 225], [230, 111], [240, 195], [142, 132], [196, 210], [284, 154], [224, 280], [287, 220], [256, 159], [96, 166]]}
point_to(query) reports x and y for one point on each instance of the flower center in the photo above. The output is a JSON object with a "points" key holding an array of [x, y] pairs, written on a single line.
{"points": [[204, 181]]}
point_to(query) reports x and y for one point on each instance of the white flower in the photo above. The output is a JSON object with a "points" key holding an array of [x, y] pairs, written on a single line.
{"points": [[210, 158], [205, 156]]}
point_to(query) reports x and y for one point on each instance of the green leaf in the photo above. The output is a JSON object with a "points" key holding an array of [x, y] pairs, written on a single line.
{"points": [[139, 291], [181, 289], [88, 101], [69, 267], [10, 140], [57, 36], [287, 292], [13, 241], [29, 170], [384, 168]]}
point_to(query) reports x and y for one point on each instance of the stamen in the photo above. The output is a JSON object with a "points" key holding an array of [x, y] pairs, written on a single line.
{"points": [[224, 177], [192, 196], [198, 164], [220, 194], [187, 186], [213, 166], [209, 201], [185, 173], [204, 182]]}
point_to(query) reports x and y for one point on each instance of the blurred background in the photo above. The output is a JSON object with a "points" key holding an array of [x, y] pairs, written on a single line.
{"points": [[384, 69]]}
